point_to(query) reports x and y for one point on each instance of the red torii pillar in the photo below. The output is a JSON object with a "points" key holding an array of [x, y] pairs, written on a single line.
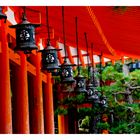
{"points": [[37, 110], [48, 106], [21, 98], [5, 95]]}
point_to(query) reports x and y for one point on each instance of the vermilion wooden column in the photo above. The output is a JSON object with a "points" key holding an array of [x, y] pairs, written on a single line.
{"points": [[37, 111], [113, 62], [5, 95], [48, 106], [102, 61], [61, 124], [21, 105], [123, 60]]}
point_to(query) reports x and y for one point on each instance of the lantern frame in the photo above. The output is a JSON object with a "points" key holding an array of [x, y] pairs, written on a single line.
{"points": [[25, 35], [49, 58], [80, 84], [66, 72]]}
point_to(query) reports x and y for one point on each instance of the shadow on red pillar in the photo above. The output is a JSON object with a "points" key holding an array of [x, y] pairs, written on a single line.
{"points": [[5, 96], [20, 97], [48, 106], [72, 120]]}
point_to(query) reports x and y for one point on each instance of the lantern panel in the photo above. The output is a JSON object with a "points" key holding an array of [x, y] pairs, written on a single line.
{"points": [[80, 84], [49, 59], [66, 73], [25, 38]]}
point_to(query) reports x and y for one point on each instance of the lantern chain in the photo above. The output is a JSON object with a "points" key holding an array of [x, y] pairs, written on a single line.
{"points": [[47, 18], [87, 52], [100, 56], [92, 63], [76, 20], [64, 32], [24, 14]]}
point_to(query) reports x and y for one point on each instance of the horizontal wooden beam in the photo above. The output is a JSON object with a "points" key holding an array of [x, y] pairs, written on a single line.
{"points": [[14, 57], [44, 77], [31, 68]]}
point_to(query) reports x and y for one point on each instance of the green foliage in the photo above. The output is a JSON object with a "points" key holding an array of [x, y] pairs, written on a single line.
{"points": [[78, 99], [82, 112], [135, 77], [83, 72], [57, 79], [118, 66], [103, 125], [109, 73], [126, 116], [60, 111], [121, 128]]}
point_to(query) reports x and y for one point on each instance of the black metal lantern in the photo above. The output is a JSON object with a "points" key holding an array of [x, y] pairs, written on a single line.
{"points": [[89, 86], [80, 84], [66, 72], [49, 54], [49, 58], [80, 80], [103, 101], [25, 35], [92, 94], [90, 90], [2, 16]]}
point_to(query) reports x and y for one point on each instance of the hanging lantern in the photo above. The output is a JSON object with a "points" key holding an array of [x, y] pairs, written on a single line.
{"points": [[66, 73], [80, 84], [49, 58], [103, 101], [2, 16], [92, 94], [80, 80], [25, 35], [49, 54]]}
